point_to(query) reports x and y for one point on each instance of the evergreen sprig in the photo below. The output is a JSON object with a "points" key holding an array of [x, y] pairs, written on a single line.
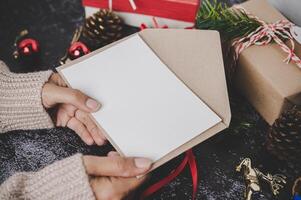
{"points": [[230, 22]]}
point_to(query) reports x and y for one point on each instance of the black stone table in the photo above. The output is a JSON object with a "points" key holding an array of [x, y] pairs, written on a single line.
{"points": [[53, 23]]}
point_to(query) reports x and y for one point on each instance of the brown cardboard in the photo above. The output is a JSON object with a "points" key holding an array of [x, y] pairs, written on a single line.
{"points": [[195, 57], [267, 82]]}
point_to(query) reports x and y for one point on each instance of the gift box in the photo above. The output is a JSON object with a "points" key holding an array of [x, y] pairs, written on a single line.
{"points": [[174, 14], [270, 84]]}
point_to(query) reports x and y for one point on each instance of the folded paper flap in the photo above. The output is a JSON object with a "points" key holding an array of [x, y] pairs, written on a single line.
{"points": [[268, 60], [195, 57]]}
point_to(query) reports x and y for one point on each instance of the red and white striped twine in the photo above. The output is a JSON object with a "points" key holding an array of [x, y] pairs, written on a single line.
{"points": [[267, 33]]}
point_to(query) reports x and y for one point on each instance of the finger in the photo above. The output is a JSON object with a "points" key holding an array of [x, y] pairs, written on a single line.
{"points": [[116, 166], [91, 126], [113, 153], [64, 114], [132, 183], [123, 187], [54, 94], [81, 130], [97, 136], [114, 188], [62, 118], [57, 79]]}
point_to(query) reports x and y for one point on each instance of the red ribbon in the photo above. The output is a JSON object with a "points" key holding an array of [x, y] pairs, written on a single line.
{"points": [[155, 23], [188, 159], [183, 10]]}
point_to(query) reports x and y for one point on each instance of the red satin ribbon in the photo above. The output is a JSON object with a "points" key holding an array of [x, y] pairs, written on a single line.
{"points": [[155, 23], [188, 159], [183, 10]]}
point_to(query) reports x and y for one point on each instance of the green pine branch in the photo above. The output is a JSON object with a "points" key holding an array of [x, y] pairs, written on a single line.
{"points": [[231, 23]]}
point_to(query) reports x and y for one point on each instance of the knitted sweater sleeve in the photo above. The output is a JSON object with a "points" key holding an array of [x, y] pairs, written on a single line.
{"points": [[64, 180], [20, 100]]}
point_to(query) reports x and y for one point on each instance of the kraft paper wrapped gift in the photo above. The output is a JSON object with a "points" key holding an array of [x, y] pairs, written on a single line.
{"points": [[269, 84], [195, 57]]}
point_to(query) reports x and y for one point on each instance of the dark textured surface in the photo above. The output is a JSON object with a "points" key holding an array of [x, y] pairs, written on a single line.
{"points": [[52, 23]]}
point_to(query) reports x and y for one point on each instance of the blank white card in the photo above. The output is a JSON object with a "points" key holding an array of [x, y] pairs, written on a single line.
{"points": [[146, 110]]}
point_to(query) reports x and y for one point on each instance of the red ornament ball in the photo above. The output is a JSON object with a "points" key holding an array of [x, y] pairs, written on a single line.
{"points": [[77, 50], [27, 47]]}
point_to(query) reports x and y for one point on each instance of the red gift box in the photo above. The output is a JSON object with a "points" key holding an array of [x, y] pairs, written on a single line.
{"points": [[171, 13]]}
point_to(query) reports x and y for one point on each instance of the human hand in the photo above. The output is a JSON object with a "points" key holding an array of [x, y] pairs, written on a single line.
{"points": [[73, 109], [114, 177]]}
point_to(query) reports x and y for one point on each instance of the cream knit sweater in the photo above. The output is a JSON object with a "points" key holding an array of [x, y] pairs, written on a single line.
{"points": [[21, 108]]}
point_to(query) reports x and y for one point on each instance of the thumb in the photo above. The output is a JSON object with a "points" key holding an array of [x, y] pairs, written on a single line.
{"points": [[57, 80], [53, 94], [116, 166]]}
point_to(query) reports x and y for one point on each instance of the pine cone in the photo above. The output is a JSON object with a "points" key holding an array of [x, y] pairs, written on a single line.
{"points": [[102, 28], [284, 137]]}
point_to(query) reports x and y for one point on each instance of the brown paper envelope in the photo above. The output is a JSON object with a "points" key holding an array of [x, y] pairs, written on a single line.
{"points": [[270, 84], [195, 57]]}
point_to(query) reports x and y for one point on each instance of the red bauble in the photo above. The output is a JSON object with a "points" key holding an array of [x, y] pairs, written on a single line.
{"points": [[77, 50], [26, 48]]}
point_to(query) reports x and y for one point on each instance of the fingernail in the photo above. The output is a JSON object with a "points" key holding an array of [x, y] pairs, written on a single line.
{"points": [[142, 163], [92, 104], [100, 142], [113, 153], [90, 141]]}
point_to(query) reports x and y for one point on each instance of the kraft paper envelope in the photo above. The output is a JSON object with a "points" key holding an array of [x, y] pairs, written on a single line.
{"points": [[195, 57]]}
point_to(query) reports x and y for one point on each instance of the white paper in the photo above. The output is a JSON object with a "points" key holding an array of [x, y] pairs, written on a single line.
{"points": [[146, 110]]}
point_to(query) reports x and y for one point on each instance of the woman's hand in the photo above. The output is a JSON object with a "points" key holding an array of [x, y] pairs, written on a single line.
{"points": [[114, 177], [73, 109]]}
